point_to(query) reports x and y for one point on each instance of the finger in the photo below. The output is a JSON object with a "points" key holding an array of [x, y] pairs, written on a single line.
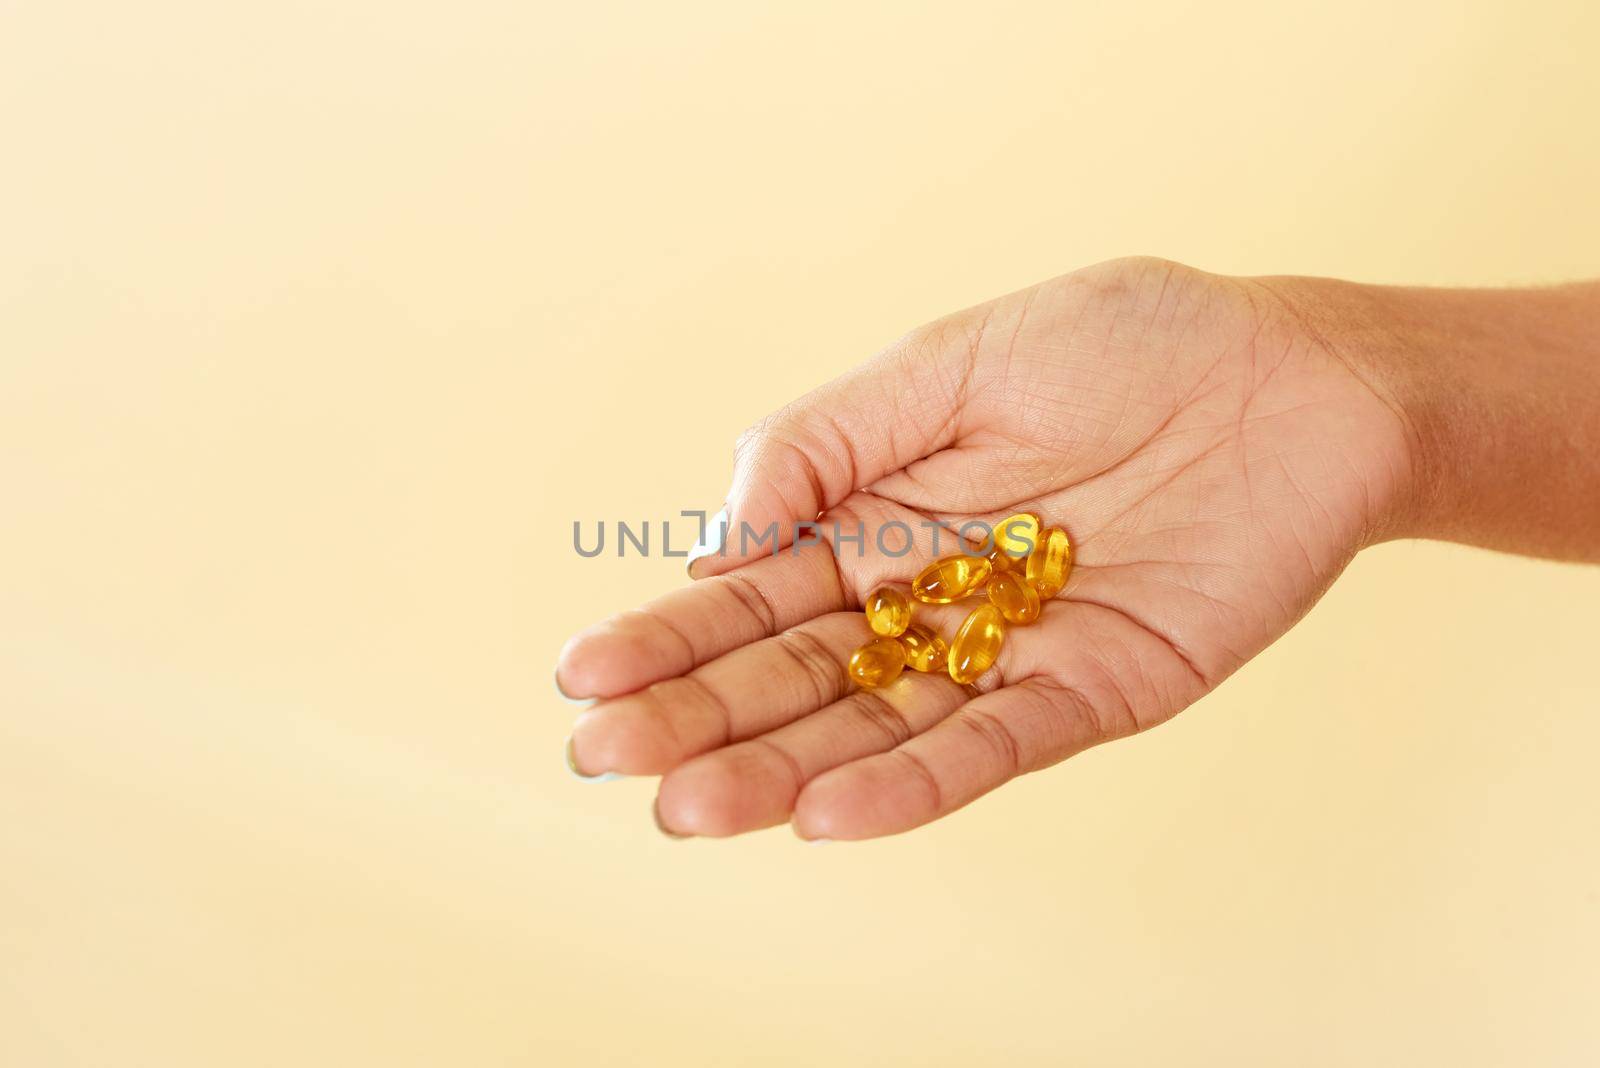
{"points": [[1084, 674], [754, 783], [692, 626], [990, 740], [804, 459], [750, 690]]}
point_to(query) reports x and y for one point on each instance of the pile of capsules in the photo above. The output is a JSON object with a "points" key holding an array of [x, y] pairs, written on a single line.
{"points": [[1023, 567]]}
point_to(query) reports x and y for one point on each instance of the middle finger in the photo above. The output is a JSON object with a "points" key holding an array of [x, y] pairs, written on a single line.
{"points": [[738, 695]]}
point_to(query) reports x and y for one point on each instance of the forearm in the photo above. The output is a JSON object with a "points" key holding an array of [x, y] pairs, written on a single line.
{"points": [[1499, 391]]}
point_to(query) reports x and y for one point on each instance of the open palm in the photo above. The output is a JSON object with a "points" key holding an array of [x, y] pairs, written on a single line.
{"points": [[1216, 464]]}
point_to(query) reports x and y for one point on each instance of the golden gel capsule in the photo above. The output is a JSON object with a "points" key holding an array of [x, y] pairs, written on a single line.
{"points": [[1051, 563], [977, 643], [1015, 536], [950, 579], [888, 611], [925, 650], [878, 663], [1016, 598]]}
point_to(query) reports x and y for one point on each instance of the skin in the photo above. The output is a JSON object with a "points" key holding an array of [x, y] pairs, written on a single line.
{"points": [[1219, 449]]}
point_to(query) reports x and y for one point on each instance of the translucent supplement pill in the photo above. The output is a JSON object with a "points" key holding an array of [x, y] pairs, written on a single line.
{"points": [[888, 611], [925, 650], [1016, 598], [1050, 563], [1016, 536], [977, 643], [877, 663], [950, 579]]}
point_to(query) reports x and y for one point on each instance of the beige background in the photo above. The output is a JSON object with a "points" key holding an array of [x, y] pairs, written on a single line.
{"points": [[321, 323]]}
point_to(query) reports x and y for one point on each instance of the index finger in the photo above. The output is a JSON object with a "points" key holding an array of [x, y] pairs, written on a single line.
{"points": [[686, 628]]}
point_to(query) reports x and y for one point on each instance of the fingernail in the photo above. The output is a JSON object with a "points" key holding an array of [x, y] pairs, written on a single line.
{"points": [[711, 544], [572, 766], [583, 702], [655, 810]]}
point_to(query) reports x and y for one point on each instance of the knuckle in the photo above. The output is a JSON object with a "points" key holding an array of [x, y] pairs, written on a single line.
{"points": [[882, 716], [1104, 720], [754, 435], [752, 599], [997, 736], [815, 663]]}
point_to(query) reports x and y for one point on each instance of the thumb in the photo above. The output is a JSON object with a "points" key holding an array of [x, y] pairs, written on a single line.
{"points": [[811, 454]]}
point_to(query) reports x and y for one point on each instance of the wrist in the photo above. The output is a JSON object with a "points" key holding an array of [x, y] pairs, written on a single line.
{"points": [[1498, 395], [1359, 327]]}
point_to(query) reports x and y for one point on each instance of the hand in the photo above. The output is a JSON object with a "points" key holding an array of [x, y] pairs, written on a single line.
{"points": [[1216, 463]]}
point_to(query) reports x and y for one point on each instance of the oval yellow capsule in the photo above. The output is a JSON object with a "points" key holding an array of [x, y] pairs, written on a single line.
{"points": [[1050, 563], [1017, 535], [925, 650], [950, 579], [1016, 598], [977, 643], [888, 611], [877, 663]]}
